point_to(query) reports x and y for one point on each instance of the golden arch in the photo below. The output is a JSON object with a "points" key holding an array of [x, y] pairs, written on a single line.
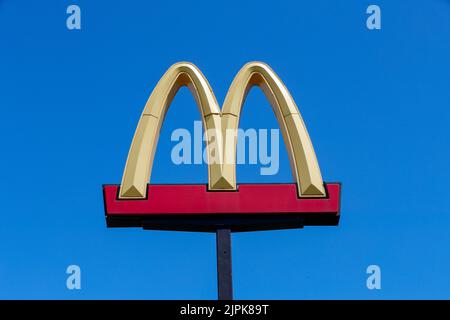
{"points": [[223, 125]]}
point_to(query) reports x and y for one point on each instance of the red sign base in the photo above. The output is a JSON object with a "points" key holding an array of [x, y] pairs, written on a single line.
{"points": [[193, 208]]}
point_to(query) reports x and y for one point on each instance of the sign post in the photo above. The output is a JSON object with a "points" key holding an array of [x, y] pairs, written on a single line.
{"points": [[224, 266], [222, 206]]}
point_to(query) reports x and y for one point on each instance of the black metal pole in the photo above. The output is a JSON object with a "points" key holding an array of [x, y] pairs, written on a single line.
{"points": [[224, 277]]}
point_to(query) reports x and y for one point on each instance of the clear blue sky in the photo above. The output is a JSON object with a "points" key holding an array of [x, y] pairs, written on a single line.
{"points": [[376, 104]]}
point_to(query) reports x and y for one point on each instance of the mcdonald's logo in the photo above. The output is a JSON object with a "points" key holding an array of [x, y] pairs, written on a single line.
{"points": [[136, 202]]}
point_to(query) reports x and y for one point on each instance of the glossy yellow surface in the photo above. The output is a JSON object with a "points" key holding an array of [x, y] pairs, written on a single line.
{"points": [[223, 126]]}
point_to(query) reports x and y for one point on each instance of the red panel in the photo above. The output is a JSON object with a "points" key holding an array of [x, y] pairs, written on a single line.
{"points": [[196, 199]]}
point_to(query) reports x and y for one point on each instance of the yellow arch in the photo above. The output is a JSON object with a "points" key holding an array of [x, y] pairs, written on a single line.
{"points": [[140, 157], [304, 165], [223, 126]]}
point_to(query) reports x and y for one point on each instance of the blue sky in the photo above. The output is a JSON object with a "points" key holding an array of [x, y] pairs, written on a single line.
{"points": [[376, 104]]}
